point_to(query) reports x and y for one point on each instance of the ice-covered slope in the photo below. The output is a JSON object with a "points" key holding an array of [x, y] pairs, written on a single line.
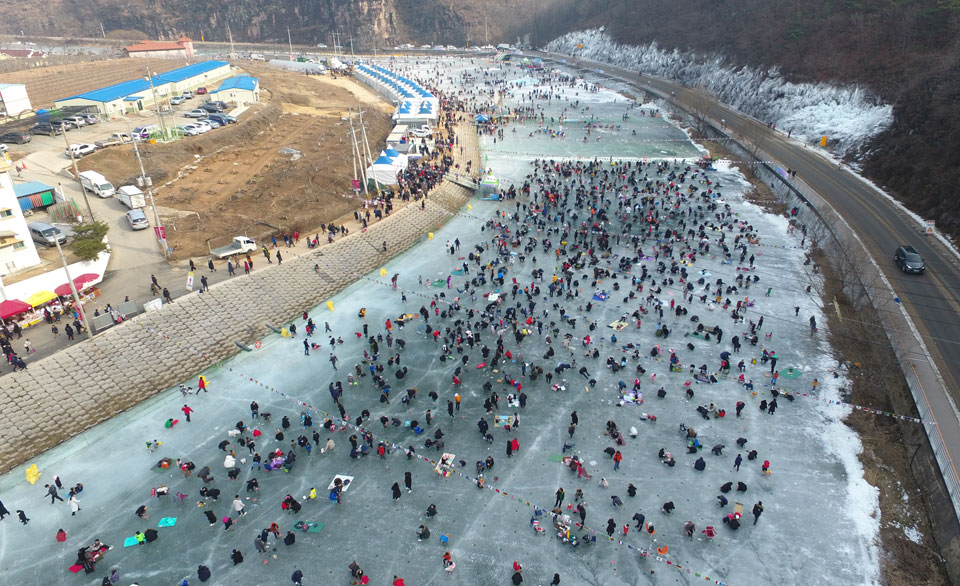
{"points": [[848, 116]]}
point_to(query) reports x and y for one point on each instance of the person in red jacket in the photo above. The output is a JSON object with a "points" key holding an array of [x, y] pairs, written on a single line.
{"points": [[186, 412]]}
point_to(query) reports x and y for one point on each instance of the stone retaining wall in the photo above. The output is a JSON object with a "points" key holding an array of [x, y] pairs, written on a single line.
{"points": [[58, 397]]}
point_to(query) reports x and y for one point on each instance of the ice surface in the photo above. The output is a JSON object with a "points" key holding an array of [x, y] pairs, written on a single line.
{"points": [[848, 116], [820, 516]]}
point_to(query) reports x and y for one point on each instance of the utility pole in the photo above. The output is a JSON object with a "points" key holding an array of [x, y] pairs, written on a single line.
{"points": [[73, 288], [366, 146], [290, 43], [102, 32], [156, 105], [359, 157], [144, 181], [76, 173], [233, 54]]}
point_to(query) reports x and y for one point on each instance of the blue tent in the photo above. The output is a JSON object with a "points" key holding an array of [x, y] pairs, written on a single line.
{"points": [[481, 118], [383, 160]]}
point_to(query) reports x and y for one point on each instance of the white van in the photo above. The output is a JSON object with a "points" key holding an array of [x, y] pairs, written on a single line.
{"points": [[97, 183], [144, 132]]}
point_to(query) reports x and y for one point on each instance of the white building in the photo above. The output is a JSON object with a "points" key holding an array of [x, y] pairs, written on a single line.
{"points": [[13, 100], [17, 251], [239, 90]]}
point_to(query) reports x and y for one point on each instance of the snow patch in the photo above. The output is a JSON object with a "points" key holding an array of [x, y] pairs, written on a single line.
{"points": [[848, 116]]}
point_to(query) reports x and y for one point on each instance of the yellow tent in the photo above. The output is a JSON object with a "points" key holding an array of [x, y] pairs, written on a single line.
{"points": [[40, 297]]}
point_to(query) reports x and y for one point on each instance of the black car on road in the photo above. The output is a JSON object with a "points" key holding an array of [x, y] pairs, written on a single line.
{"points": [[909, 260]]}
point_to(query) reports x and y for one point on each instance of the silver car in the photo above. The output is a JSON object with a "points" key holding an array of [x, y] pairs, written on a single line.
{"points": [[75, 121], [43, 233], [137, 220]]}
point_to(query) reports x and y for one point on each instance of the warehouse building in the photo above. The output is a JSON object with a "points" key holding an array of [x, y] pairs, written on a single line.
{"points": [[239, 90], [135, 95], [34, 195]]}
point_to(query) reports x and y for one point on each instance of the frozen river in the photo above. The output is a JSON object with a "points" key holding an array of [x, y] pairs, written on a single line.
{"points": [[819, 518]]}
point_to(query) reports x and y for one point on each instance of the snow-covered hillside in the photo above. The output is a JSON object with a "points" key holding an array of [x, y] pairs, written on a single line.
{"points": [[848, 116]]}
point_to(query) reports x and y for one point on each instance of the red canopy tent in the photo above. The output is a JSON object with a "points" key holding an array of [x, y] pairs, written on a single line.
{"points": [[79, 282], [12, 307]]}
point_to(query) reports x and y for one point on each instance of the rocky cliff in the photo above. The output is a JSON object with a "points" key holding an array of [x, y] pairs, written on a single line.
{"points": [[369, 22]]}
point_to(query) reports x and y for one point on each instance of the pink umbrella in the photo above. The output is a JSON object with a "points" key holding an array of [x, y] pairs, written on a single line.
{"points": [[85, 278], [12, 307], [65, 291]]}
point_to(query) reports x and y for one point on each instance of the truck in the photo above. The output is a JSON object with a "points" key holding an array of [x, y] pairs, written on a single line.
{"points": [[131, 196], [115, 139], [240, 245], [97, 183]]}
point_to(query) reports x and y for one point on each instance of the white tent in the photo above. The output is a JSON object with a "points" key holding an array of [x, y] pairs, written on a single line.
{"points": [[384, 170]]}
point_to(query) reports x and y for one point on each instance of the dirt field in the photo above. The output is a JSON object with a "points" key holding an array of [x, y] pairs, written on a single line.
{"points": [[46, 84], [235, 181]]}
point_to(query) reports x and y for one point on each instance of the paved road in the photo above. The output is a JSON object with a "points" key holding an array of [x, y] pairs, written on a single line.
{"points": [[932, 300]]}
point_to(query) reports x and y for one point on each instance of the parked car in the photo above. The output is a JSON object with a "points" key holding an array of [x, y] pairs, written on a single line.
{"points": [[16, 137], [190, 129], [91, 118], [63, 126], [909, 260], [223, 119], [137, 220], [43, 233], [211, 107], [212, 123], [75, 121], [187, 95], [177, 100], [203, 126], [80, 149], [198, 113], [201, 91], [45, 128], [422, 132]]}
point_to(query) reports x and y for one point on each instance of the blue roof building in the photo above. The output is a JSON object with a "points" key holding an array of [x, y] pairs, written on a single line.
{"points": [[134, 95], [240, 90]]}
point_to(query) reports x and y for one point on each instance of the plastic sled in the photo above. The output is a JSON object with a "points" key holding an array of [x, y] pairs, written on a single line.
{"points": [[167, 522], [129, 541], [309, 526], [75, 568], [347, 481]]}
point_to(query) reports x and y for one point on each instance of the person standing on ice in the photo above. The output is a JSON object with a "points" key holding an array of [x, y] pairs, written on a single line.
{"points": [[757, 511], [396, 491]]}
